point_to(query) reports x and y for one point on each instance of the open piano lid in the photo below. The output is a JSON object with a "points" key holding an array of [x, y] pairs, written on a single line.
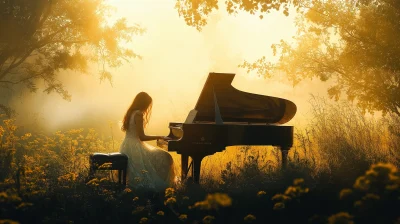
{"points": [[238, 106]]}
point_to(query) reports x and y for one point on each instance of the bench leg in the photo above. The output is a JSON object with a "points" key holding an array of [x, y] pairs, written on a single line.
{"points": [[119, 176], [124, 176], [91, 173]]}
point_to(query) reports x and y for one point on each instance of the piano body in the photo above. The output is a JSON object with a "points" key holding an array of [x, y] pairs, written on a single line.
{"points": [[225, 116]]}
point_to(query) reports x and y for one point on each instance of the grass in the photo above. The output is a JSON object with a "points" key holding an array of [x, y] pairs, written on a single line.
{"points": [[343, 168]]}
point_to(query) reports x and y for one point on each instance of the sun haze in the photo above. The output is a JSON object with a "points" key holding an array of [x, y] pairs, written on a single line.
{"points": [[176, 61]]}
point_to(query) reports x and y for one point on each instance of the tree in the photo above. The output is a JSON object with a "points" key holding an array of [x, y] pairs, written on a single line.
{"points": [[42, 37], [354, 43]]}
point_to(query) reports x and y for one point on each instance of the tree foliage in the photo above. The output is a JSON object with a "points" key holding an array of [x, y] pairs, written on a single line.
{"points": [[40, 38], [195, 12], [354, 43]]}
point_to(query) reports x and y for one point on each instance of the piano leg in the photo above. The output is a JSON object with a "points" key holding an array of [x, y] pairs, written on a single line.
{"points": [[184, 166], [284, 153], [196, 169]]}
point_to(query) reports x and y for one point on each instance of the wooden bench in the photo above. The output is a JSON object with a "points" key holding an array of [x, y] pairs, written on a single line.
{"points": [[109, 161]]}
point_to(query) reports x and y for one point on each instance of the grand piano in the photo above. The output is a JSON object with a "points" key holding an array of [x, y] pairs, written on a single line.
{"points": [[225, 116]]}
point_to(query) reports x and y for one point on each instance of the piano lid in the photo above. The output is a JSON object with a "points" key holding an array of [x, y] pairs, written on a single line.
{"points": [[239, 106]]}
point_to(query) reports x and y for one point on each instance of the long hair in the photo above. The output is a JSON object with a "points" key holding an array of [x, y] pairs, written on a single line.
{"points": [[142, 102]]}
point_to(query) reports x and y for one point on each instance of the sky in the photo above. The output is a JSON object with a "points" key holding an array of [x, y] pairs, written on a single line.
{"points": [[176, 62]]}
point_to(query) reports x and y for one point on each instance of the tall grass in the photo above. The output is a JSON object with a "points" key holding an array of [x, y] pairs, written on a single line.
{"points": [[339, 143], [333, 152]]}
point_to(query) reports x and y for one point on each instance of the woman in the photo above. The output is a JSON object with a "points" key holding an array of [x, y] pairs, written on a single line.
{"points": [[149, 168]]}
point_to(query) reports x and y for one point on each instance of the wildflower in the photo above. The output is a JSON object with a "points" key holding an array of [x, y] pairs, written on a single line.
{"points": [[170, 201], [281, 198], [8, 221], [93, 182], [138, 209], [358, 204], [345, 193], [127, 190], [183, 217], [160, 213], [296, 191], [3, 196], [208, 219], [379, 174], [371, 197], [143, 220], [24, 205], [169, 192], [261, 193], [136, 199], [384, 169], [392, 187], [249, 218], [185, 198], [362, 183], [214, 201], [24, 137], [341, 218], [298, 182], [144, 171], [279, 206]]}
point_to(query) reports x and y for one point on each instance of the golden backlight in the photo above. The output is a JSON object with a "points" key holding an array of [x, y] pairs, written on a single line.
{"points": [[176, 62]]}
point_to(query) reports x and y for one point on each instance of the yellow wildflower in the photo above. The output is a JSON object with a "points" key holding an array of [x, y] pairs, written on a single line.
{"points": [[279, 206], [144, 220], [138, 209], [160, 213], [169, 192], [261, 193], [281, 198], [341, 218], [170, 201], [183, 217], [24, 205], [136, 199], [8, 221], [345, 193], [208, 219], [127, 190], [214, 201], [24, 137], [249, 218], [3, 196], [298, 182]]}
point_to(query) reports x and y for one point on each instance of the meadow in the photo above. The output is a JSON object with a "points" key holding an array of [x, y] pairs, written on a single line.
{"points": [[343, 168]]}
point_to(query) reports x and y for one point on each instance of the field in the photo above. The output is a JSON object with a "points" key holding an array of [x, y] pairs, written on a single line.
{"points": [[343, 168]]}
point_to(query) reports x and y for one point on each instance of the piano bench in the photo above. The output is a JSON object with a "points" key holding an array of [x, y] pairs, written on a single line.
{"points": [[109, 161]]}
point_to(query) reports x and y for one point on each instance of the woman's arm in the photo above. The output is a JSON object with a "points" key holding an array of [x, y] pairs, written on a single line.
{"points": [[140, 131]]}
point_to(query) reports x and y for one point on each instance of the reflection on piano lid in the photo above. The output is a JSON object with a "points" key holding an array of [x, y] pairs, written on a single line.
{"points": [[238, 106]]}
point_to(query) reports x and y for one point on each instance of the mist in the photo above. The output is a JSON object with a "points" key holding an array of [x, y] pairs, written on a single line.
{"points": [[176, 62]]}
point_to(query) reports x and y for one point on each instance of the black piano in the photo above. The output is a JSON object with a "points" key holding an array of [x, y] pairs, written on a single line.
{"points": [[225, 116]]}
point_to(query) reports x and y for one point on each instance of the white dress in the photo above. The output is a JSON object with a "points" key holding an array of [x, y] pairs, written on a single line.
{"points": [[149, 168]]}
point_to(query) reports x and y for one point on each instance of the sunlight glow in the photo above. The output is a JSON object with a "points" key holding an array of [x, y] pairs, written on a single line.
{"points": [[176, 61]]}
